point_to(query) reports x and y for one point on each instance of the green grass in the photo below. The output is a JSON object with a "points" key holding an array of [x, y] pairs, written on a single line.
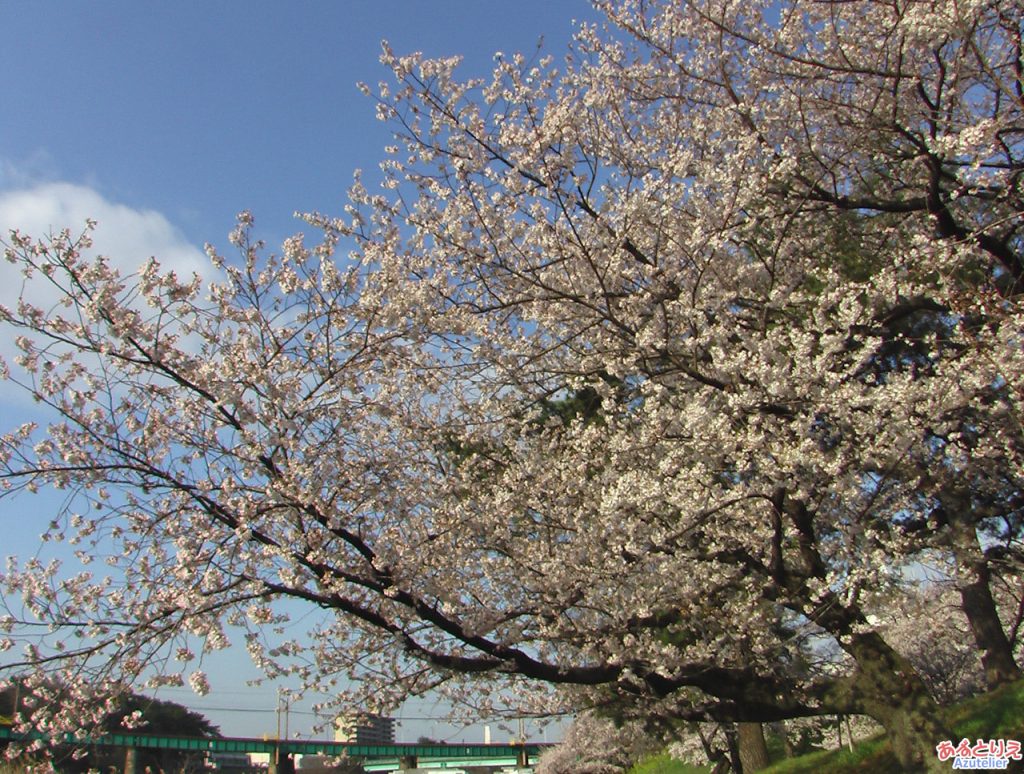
{"points": [[870, 755], [1000, 713], [995, 715], [666, 764]]}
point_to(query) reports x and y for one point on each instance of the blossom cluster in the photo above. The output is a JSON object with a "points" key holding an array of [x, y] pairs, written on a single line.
{"points": [[647, 372]]}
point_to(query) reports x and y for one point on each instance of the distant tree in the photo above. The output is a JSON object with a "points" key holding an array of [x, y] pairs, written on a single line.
{"points": [[596, 745], [157, 716], [132, 713], [319, 764], [640, 373], [927, 625]]}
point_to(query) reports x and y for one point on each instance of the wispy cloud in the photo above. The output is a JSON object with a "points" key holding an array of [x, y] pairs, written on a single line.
{"points": [[127, 236]]}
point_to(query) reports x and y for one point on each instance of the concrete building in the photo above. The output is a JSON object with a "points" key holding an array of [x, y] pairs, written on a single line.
{"points": [[364, 728]]}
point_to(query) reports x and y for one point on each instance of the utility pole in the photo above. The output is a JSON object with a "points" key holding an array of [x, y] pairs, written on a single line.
{"points": [[283, 698], [282, 764], [275, 762], [287, 714]]}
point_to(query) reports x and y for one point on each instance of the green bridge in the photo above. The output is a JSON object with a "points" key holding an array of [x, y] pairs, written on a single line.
{"points": [[377, 757]]}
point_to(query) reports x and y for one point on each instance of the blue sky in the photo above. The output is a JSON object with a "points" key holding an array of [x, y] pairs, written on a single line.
{"points": [[197, 110], [163, 120]]}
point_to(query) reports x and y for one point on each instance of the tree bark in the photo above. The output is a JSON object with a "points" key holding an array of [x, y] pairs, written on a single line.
{"points": [[987, 628], [976, 596], [753, 748], [887, 688], [734, 748], [780, 729]]}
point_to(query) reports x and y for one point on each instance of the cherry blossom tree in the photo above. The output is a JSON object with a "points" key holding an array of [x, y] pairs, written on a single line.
{"points": [[777, 248], [595, 745], [928, 627]]}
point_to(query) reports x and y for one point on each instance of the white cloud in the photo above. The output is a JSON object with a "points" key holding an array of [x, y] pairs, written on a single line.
{"points": [[128, 237]]}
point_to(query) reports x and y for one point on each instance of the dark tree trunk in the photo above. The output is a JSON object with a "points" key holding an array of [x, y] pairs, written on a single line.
{"points": [[782, 731], [734, 748], [976, 595], [983, 617], [884, 686], [753, 749], [887, 688]]}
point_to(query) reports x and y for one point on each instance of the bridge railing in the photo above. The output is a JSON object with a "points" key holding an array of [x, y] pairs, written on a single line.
{"points": [[288, 746]]}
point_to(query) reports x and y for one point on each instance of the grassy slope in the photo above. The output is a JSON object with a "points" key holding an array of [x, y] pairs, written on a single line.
{"points": [[665, 764], [995, 715]]}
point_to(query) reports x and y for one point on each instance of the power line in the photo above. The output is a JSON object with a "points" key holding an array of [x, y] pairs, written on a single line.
{"points": [[427, 718]]}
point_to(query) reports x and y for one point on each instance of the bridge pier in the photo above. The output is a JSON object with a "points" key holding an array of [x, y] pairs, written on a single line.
{"points": [[522, 758], [407, 762], [131, 761], [281, 763]]}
